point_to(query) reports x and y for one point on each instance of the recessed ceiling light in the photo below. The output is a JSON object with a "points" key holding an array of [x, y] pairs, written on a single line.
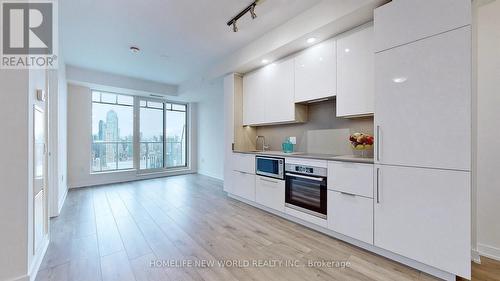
{"points": [[399, 79], [347, 50], [311, 40], [264, 61], [134, 49]]}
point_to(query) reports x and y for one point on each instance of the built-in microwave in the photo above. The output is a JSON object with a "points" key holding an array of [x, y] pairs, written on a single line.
{"points": [[273, 167]]}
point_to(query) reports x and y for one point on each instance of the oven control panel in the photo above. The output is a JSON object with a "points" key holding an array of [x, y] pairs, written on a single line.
{"points": [[306, 170]]}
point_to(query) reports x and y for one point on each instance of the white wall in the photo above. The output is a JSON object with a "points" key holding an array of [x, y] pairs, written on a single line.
{"points": [[211, 130], [488, 138], [14, 173], [58, 103], [17, 258], [79, 145]]}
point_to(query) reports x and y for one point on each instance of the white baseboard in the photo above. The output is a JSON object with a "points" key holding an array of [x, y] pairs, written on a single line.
{"points": [[60, 204], [488, 251], [209, 174], [475, 256]]}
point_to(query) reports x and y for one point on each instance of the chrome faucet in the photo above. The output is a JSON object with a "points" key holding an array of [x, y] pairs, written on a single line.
{"points": [[264, 146]]}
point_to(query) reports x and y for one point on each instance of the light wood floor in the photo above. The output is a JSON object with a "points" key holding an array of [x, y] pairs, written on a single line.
{"points": [[113, 232]]}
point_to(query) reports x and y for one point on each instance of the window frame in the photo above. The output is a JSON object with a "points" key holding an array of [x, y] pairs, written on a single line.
{"points": [[136, 142], [117, 142]]}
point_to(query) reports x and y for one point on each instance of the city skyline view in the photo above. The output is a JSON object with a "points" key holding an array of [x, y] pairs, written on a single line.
{"points": [[113, 131]]}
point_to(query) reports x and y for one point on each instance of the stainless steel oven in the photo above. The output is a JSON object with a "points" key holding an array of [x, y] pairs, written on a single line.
{"points": [[306, 189], [273, 167]]}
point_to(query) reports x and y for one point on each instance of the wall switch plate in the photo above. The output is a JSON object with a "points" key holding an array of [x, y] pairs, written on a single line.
{"points": [[293, 140]]}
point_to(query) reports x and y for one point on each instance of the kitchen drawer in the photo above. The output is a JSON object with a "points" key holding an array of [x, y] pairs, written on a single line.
{"points": [[354, 178], [243, 185], [351, 215], [244, 163], [270, 193]]}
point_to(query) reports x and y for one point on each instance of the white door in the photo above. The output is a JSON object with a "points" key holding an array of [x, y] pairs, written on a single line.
{"points": [[315, 72], [423, 102], [355, 73], [40, 218], [424, 214]]}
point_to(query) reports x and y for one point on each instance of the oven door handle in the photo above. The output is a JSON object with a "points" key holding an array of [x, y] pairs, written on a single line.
{"points": [[304, 177]]}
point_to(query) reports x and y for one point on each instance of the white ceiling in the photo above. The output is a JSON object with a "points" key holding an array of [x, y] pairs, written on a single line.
{"points": [[178, 38]]}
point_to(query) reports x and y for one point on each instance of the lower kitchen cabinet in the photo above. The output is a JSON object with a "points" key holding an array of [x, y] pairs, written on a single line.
{"points": [[243, 185], [351, 215], [270, 193], [424, 214]]}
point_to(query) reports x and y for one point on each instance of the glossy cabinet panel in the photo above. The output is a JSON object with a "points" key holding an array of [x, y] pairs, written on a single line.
{"points": [[355, 73], [404, 21], [424, 214], [423, 103], [315, 72]]}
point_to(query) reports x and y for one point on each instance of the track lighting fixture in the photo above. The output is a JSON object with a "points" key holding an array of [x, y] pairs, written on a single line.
{"points": [[252, 12], [250, 8]]}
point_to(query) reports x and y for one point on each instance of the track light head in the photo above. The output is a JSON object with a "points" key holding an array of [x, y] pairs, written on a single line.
{"points": [[235, 28], [252, 11]]}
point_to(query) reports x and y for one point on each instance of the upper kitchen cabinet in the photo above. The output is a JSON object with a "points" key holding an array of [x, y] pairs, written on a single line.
{"points": [[396, 26], [268, 96], [423, 102], [355, 73], [315, 72]]}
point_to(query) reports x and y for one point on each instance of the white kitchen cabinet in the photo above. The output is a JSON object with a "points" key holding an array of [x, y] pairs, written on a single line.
{"points": [[315, 72], [354, 178], [351, 215], [270, 193], [255, 88], [268, 95], [279, 95], [243, 185], [403, 21], [244, 163], [424, 214], [355, 73], [423, 102]]}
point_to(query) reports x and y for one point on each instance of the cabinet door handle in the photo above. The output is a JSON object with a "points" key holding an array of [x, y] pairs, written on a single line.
{"points": [[378, 182], [378, 142], [271, 181], [348, 194]]}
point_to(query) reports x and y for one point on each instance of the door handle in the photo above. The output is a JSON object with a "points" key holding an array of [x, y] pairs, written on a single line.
{"points": [[304, 177], [377, 185], [378, 142]]}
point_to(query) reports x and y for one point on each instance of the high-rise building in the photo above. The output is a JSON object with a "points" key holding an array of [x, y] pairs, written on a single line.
{"points": [[111, 135]]}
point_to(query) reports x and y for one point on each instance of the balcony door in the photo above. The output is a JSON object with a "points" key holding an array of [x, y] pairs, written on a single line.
{"points": [[162, 135], [151, 135]]}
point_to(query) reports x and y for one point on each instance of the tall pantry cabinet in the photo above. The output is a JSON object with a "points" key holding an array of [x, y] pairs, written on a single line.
{"points": [[423, 132]]}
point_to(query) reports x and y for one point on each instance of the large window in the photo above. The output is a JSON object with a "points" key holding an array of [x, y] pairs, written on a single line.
{"points": [[112, 132], [161, 133]]}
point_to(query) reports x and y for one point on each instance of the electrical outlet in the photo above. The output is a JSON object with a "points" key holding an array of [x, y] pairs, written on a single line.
{"points": [[293, 140]]}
